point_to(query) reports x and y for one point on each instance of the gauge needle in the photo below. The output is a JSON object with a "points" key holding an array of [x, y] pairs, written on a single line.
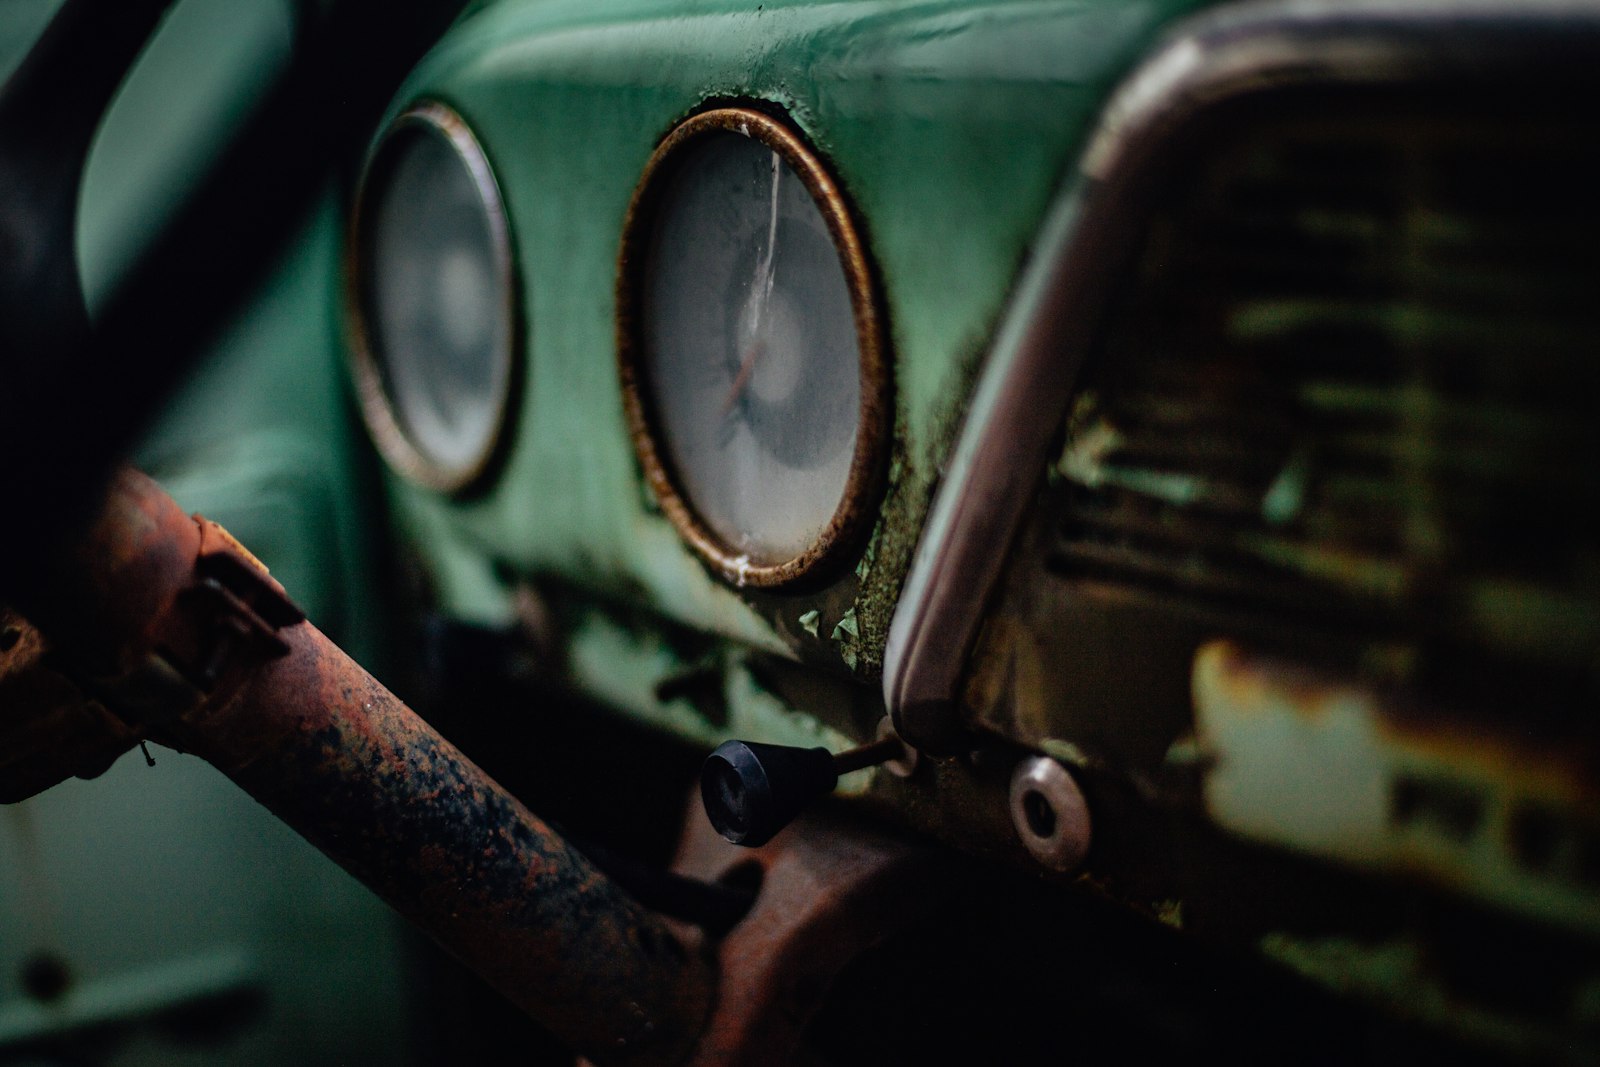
{"points": [[741, 379], [757, 312]]}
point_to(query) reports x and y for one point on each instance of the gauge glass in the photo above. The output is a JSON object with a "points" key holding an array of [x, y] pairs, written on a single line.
{"points": [[435, 295], [750, 347]]}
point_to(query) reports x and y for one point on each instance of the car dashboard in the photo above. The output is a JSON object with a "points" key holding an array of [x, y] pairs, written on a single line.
{"points": [[1169, 420]]}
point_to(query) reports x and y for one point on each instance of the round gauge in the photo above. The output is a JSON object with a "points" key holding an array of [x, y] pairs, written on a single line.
{"points": [[432, 301], [752, 358]]}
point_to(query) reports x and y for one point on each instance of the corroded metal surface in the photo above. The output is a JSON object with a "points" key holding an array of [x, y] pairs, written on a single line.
{"points": [[325, 747], [827, 894], [1327, 765], [47, 718], [104, 606], [322, 744]]}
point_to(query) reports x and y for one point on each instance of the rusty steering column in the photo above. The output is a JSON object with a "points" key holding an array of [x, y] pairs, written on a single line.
{"points": [[169, 623]]}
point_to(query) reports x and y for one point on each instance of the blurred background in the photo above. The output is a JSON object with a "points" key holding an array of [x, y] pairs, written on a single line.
{"points": [[189, 925]]}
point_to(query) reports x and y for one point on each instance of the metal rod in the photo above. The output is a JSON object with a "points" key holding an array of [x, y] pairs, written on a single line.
{"points": [[323, 745], [869, 755], [329, 750]]}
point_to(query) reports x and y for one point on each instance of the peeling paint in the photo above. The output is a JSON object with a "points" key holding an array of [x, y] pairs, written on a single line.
{"points": [[845, 629], [1330, 767]]}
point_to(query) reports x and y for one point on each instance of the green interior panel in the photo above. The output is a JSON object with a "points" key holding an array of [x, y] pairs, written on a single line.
{"points": [[949, 126]]}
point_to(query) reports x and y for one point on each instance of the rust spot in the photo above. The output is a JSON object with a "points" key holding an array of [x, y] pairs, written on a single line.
{"points": [[318, 741]]}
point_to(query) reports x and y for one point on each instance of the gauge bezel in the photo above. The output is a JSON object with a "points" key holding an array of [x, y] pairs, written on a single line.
{"points": [[405, 456], [853, 517]]}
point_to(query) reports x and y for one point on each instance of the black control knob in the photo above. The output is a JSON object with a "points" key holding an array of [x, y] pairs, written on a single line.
{"points": [[752, 790]]}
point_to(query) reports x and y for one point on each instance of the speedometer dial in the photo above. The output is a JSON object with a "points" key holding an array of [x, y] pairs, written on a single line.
{"points": [[433, 299], [752, 358]]}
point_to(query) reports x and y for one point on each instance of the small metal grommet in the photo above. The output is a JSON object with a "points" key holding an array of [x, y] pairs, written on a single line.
{"points": [[1050, 813]]}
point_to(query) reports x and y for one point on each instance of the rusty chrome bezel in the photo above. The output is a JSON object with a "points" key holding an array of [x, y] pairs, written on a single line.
{"points": [[855, 513], [406, 457], [1206, 69]]}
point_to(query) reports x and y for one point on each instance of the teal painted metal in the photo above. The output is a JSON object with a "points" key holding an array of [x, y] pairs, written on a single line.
{"points": [[949, 126], [21, 22]]}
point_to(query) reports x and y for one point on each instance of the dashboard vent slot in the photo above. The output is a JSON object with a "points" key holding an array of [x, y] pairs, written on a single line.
{"points": [[1355, 382]]}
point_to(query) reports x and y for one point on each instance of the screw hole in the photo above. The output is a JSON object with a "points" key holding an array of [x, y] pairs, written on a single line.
{"points": [[1040, 815]]}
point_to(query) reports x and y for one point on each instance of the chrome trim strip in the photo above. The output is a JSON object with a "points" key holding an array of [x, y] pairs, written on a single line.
{"points": [[1221, 57]]}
